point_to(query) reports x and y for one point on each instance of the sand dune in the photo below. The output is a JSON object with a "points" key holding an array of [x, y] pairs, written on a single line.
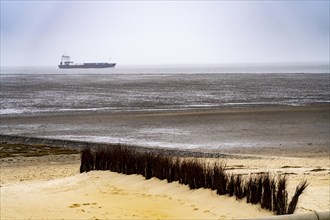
{"points": [[110, 195], [48, 188]]}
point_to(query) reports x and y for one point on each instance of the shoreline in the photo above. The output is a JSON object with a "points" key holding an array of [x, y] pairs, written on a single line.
{"points": [[226, 109], [72, 144], [229, 152]]}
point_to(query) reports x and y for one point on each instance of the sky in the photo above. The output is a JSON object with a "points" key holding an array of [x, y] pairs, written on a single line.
{"points": [[38, 33]]}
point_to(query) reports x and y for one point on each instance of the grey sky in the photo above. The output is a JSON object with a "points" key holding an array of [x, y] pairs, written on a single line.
{"points": [[164, 32]]}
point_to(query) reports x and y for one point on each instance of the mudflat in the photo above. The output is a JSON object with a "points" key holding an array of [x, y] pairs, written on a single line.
{"points": [[241, 130]]}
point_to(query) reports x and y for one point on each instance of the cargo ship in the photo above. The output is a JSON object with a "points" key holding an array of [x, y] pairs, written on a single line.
{"points": [[66, 63]]}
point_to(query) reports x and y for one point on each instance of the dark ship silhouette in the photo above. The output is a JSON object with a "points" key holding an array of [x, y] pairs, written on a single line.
{"points": [[66, 63]]}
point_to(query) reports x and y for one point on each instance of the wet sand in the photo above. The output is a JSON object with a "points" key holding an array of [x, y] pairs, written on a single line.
{"points": [[231, 130]]}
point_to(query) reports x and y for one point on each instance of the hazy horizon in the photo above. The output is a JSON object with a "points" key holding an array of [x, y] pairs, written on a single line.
{"points": [[37, 33], [240, 68]]}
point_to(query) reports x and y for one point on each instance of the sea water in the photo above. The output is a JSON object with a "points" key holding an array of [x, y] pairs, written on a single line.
{"points": [[31, 90]]}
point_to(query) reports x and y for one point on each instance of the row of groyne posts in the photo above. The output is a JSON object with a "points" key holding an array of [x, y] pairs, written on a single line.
{"points": [[264, 189]]}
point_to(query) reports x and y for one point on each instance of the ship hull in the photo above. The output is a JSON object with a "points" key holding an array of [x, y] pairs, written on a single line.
{"points": [[86, 65]]}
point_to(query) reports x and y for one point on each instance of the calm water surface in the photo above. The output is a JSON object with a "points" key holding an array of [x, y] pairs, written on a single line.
{"points": [[54, 93]]}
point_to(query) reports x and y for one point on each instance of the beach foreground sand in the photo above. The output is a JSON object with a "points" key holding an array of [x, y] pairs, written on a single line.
{"points": [[51, 187]]}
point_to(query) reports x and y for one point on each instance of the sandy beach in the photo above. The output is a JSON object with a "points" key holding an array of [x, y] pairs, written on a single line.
{"points": [[51, 186], [107, 195]]}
